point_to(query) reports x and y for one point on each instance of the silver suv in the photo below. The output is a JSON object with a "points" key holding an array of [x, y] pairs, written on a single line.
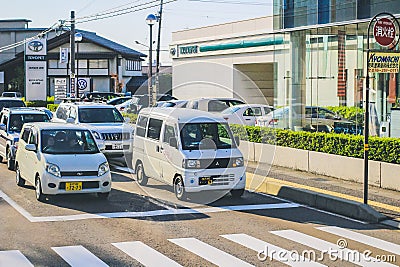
{"points": [[11, 121], [105, 122]]}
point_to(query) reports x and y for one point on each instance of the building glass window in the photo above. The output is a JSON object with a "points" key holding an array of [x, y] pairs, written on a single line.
{"points": [[98, 64], [133, 65]]}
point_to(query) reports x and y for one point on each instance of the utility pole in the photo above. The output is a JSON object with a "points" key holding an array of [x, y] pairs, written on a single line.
{"points": [[157, 82], [72, 42]]}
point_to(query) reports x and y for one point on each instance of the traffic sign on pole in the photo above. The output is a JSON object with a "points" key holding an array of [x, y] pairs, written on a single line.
{"points": [[384, 31]]}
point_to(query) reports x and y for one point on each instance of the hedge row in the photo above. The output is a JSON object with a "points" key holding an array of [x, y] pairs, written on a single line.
{"points": [[381, 149], [355, 114]]}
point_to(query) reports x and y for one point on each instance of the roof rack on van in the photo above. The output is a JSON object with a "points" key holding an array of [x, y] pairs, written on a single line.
{"points": [[10, 109]]}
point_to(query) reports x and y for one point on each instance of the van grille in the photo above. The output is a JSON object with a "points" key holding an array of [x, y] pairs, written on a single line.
{"points": [[115, 136], [216, 163]]}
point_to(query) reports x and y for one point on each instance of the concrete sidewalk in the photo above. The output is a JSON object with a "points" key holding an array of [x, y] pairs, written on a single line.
{"points": [[326, 193]]}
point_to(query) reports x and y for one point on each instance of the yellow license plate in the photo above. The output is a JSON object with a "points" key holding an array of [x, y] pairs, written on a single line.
{"points": [[75, 186]]}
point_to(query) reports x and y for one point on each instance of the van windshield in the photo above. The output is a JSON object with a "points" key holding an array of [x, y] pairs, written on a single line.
{"points": [[195, 136]]}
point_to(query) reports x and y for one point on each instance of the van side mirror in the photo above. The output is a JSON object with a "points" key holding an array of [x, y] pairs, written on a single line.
{"points": [[173, 142], [3, 127], [237, 140], [101, 147], [31, 147]]}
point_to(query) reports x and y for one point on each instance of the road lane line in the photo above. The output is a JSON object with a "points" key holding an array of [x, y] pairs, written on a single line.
{"points": [[78, 256], [145, 254], [153, 213], [330, 249], [209, 253], [273, 251], [13, 258], [361, 238]]}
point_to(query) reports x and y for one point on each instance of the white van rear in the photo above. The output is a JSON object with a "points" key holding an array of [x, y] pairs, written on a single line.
{"points": [[191, 150]]}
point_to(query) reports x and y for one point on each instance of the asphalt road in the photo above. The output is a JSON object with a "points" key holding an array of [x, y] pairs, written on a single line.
{"points": [[147, 226]]}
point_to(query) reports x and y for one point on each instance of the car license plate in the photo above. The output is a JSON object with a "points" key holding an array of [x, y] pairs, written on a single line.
{"points": [[117, 146], [205, 180], [75, 186]]}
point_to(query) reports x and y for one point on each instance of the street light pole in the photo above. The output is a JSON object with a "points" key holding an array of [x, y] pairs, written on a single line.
{"points": [[151, 20]]}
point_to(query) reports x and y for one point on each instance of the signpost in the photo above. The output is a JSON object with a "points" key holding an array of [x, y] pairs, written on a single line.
{"points": [[383, 61]]}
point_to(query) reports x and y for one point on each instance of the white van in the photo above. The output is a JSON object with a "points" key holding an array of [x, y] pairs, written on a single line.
{"points": [[191, 150]]}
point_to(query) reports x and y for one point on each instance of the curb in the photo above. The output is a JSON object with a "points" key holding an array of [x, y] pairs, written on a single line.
{"points": [[348, 208]]}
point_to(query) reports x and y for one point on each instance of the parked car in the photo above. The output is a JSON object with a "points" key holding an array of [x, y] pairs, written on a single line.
{"points": [[128, 106], [103, 96], [194, 151], [143, 101], [174, 104], [105, 121], [317, 119], [11, 94], [213, 104], [11, 121], [118, 100], [59, 158], [9, 102], [245, 114]]}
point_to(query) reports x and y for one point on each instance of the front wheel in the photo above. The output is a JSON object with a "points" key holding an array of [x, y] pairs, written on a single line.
{"points": [[38, 189], [10, 161], [141, 177], [18, 179], [179, 188], [237, 193]]}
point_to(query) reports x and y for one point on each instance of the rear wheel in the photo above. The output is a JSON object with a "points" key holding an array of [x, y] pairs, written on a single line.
{"points": [[179, 188], [141, 177], [10, 161], [237, 193], [18, 179], [38, 190]]}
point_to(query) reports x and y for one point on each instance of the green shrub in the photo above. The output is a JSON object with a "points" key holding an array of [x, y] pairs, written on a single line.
{"points": [[381, 149], [355, 114], [52, 107], [132, 116], [50, 100], [37, 103]]}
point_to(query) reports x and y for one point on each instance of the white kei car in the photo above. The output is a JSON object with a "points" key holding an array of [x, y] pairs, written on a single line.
{"points": [[59, 158], [246, 114]]}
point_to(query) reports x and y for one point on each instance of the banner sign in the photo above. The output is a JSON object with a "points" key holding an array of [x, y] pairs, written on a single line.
{"points": [[36, 70], [60, 88], [382, 62], [63, 55]]}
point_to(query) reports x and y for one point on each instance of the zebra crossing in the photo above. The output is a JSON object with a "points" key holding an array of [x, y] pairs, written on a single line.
{"points": [[144, 254]]}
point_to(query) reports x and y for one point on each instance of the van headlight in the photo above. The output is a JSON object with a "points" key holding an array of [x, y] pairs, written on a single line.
{"points": [[53, 169], [191, 163], [238, 162], [103, 168]]}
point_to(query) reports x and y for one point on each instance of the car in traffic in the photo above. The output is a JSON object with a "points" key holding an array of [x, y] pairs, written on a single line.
{"points": [[316, 119], [59, 158], [11, 94], [173, 104], [11, 102], [245, 114], [103, 96], [106, 123], [216, 105], [11, 122], [191, 150], [118, 100]]}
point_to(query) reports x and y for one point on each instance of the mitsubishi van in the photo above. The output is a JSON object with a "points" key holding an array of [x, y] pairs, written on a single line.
{"points": [[191, 150]]}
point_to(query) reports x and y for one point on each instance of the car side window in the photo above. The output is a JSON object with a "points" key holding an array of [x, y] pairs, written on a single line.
{"points": [[25, 134], [267, 110], [257, 111], [141, 126], [248, 112], [154, 129], [5, 121], [32, 138], [169, 132]]}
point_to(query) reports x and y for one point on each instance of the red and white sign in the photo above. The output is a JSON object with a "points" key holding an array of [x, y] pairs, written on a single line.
{"points": [[384, 31]]}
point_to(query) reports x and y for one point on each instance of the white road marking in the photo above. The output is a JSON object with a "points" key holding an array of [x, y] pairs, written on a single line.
{"points": [[145, 254], [210, 253], [371, 241], [330, 249], [152, 213], [78, 256], [274, 252], [13, 258]]}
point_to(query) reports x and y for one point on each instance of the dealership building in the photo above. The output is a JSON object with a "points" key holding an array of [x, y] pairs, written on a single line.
{"points": [[309, 53]]}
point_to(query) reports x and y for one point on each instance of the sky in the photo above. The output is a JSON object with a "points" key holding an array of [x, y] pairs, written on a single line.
{"points": [[128, 28]]}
